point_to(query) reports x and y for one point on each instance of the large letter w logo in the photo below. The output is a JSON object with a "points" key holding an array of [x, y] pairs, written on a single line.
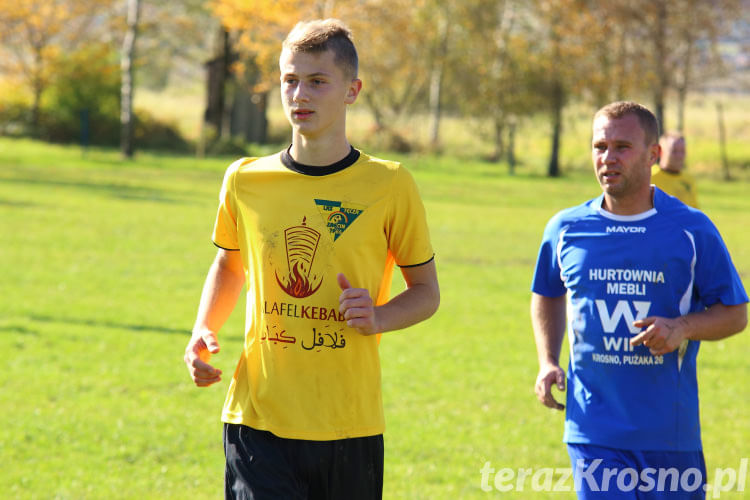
{"points": [[622, 311]]}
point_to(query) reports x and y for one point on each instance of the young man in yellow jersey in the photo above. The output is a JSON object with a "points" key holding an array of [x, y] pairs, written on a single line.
{"points": [[314, 232], [669, 174]]}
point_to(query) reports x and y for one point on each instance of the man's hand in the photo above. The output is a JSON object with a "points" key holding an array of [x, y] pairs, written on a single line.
{"points": [[549, 375], [357, 307], [662, 335], [197, 355]]}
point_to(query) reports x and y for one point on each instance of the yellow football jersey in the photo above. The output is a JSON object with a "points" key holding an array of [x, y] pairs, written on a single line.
{"points": [[303, 373], [680, 185]]}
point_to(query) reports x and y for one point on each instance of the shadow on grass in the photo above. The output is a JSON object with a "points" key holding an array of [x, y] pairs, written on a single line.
{"points": [[117, 325], [109, 324], [17, 204], [120, 191], [18, 329]]}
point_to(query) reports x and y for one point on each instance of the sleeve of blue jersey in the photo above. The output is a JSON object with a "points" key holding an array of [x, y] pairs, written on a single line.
{"points": [[547, 280], [716, 278]]}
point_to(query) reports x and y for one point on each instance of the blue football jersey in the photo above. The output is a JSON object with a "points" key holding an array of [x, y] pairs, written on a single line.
{"points": [[668, 261]]}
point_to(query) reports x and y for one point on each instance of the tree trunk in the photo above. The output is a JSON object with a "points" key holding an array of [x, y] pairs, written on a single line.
{"points": [[258, 132], [660, 53], [511, 157], [228, 89], [620, 85], [685, 83], [659, 109], [377, 115], [38, 88], [553, 169], [249, 115], [230, 95], [499, 126], [126, 88], [324, 8], [681, 97], [436, 81], [35, 108], [722, 141], [249, 107]]}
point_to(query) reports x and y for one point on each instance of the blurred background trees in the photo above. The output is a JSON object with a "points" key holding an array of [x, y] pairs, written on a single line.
{"points": [[498, 63], [40, 37]]}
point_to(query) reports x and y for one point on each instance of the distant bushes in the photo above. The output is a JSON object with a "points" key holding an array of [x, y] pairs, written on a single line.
{"points": [[81, 103]]}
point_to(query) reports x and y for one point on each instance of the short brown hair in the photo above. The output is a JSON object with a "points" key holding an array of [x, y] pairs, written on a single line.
{"points": [[320, 35], [646, 118]]}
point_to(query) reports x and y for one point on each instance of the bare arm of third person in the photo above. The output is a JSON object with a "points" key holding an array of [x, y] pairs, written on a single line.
{"points": [[548, 322], [221, 290]]}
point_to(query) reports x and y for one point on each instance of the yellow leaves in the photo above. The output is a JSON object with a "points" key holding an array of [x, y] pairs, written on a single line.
{"points": [[384, 31], [37, 33], [392, 37], [258, 16], [39, 22], [261, 26]]}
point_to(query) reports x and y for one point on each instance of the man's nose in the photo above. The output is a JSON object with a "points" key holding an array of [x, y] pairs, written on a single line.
{"points": [[609, 156], [300, 93]]}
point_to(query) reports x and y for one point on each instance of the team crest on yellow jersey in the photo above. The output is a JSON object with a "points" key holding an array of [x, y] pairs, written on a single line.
{"points": [[301, 247], [338, 216]]}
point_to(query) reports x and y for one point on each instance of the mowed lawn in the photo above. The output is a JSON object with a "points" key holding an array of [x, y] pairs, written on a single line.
{"points": [[102, 266]]}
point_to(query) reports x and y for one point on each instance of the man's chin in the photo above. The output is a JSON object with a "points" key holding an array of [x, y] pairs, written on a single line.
{"points": [[611, 189], [306, 132]]}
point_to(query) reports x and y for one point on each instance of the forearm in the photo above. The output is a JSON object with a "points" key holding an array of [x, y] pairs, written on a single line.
{"points": [[221, 290], [415, 304], [548, 322], [715, 323]]}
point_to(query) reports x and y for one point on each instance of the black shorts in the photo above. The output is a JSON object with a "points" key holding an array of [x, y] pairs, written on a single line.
{"points": [[263, 466]]}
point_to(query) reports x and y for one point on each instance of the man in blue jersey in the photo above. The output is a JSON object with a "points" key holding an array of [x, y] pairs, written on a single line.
{"points": [[639, 279]]}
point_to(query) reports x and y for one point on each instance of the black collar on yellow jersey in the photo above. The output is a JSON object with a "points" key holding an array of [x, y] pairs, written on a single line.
{"points": [[293, 165]]}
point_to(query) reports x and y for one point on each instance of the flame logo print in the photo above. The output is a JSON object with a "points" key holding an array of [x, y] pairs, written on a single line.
{"points": [[301, 246]]}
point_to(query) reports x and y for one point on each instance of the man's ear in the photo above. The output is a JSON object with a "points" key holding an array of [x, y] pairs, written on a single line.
{"points": [[354, 88], [655, 152]]}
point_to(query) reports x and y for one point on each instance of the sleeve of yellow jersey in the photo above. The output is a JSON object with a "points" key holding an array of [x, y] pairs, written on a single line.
{"points": [[225, 227], [407, 231]]}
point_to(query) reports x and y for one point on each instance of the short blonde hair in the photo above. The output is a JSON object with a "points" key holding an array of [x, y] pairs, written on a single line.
{"points": [[320, 35]]}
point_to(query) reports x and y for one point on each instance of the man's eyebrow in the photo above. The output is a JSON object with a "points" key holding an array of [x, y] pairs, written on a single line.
{"points": [[318, 74], [615, 141]]}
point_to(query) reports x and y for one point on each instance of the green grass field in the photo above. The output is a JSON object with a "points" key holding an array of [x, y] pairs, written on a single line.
{"points": [[103, 263]]}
